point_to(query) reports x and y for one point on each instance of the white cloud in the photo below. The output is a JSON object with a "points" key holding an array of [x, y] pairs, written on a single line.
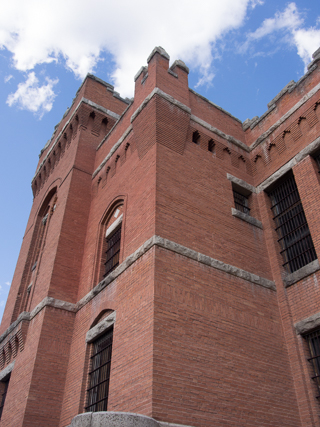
{"points": [[307, 42], [77, 32], [288, 19], [8, 78], [289, 25], [8, 283], [30, 96]]}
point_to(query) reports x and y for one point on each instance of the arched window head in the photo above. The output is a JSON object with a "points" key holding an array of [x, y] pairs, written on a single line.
{"points": [[112, 240]]}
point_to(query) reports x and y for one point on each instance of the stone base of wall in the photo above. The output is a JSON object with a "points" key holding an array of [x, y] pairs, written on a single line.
{"points": [[117, 419]]}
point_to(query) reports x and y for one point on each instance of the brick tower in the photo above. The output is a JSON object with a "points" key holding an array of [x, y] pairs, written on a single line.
{"points": [[169, 271]]}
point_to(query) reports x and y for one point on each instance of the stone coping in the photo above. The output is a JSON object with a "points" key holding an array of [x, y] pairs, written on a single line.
{"points": [[153, 241], [247, 218], [307, 325], [292, 278], [307, 151], [241, 183]]}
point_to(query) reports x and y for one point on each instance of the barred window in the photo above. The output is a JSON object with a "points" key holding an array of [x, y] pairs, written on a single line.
{"points": [[3, 390], [241, 202], [113, 250], [292, 228], [99, 375], [313, 340]]}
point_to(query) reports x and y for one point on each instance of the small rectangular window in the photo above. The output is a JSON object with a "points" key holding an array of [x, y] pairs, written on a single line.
{"points": [[292, 228], [313, 340], [113, 250], [241, 202], [99, 375]]}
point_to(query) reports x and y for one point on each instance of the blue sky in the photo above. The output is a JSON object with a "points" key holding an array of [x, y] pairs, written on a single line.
{"points": [[241, 53]]}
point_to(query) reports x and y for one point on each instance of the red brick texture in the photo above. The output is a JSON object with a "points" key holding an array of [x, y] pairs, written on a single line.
{"points": [[192, 344]]}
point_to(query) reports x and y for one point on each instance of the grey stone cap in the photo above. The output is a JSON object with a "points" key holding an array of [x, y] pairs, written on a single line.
{"points": [[247, 218], [180, 64], [282, 119], [46, 302], [307, 325], [248, 122], [100, 328], [241, 183], [153, 241], [300, 274], [82, 100], [172, 73], [215, 105], [281, 93], [143, 69], [219, 132], [113, 419], [161, 51], [308, 150], [6, 371], [157, 91]]}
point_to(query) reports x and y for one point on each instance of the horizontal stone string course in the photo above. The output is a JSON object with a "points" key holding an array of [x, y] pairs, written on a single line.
{"points": [[153, 241]]}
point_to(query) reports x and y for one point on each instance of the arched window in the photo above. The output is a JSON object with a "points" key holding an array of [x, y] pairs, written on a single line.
{"points": [[113, 240], [110, 241], [34, 254]]}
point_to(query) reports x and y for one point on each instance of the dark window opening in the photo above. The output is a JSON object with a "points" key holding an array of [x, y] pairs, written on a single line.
{"points": [[195, 137], [313, 340], [292, 228], [113, 250], [241, 202], [99, 375], [4, 388], [211, 145]]}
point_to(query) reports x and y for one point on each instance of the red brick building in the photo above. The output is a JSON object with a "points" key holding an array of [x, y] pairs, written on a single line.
{"points": [[169, 271]]}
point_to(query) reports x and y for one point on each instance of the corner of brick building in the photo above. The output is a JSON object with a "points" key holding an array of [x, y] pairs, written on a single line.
{"points": [[204, 321]]}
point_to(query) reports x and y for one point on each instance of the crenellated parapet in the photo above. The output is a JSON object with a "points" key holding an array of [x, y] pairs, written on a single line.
{"points": [[88, 117], [289, 138]]}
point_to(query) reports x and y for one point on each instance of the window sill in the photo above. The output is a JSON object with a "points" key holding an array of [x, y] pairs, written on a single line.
{"points": [[246, 218], [292, 278], [307, 325]]}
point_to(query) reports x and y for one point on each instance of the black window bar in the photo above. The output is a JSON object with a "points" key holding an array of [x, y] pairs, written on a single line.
{"points": [[292, 228], [241, 202], [313, 340], [113, 251], [99, 375], [4, 394]]}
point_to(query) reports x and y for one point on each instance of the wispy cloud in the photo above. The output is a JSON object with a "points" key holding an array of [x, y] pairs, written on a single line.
{"points": [[33, 97], [8, 78], [288, 26], [76, 33], [8, 283]]}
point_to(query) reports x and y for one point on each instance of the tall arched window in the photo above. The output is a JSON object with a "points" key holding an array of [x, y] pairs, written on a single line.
{"points": [[111, 240], [34, 254]]}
